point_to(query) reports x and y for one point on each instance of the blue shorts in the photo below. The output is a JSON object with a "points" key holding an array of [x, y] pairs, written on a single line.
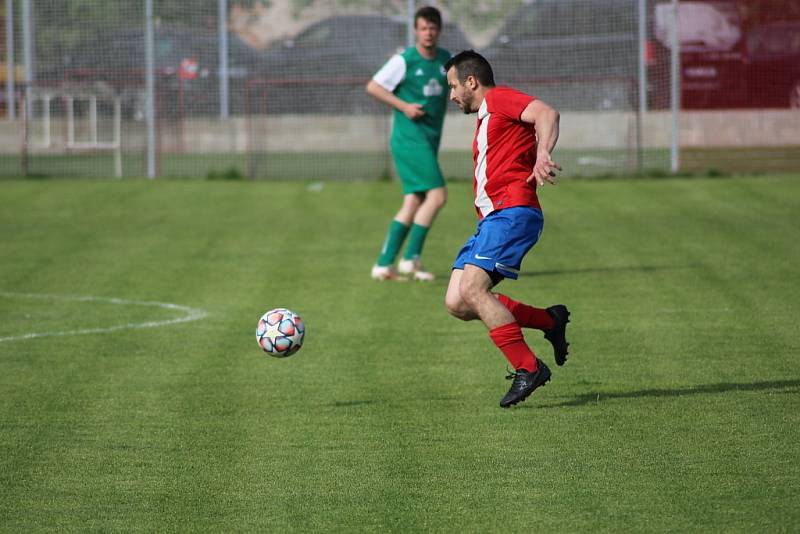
{"points": [[502, 240]]}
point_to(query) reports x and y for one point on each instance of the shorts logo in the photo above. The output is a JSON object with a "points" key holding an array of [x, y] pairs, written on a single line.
{"points": [[478, 257]]}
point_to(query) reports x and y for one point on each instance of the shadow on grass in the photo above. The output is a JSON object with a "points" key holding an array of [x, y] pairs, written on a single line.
{"points": [[347, 404], [598, 397], [370, 402], [631, 268]]}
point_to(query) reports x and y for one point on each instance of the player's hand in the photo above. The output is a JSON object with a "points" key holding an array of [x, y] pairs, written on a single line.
{"points": [[544, 170], [413, 111]]}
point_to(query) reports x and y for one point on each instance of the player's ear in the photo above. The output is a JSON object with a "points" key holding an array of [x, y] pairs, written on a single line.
{"points": [[471, 82]]}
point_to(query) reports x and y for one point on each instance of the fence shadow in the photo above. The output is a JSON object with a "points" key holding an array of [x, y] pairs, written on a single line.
{"points": [[593, 270]]}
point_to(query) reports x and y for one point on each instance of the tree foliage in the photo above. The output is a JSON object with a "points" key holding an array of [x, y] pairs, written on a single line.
{"points": [[478, 14], [61, 25]]}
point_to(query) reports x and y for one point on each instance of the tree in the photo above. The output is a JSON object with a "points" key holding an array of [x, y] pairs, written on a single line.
{"points": [[59, 26], [473, 14]]}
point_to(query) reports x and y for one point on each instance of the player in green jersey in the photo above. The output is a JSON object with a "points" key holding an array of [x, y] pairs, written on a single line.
{"points": [[414, 84]]}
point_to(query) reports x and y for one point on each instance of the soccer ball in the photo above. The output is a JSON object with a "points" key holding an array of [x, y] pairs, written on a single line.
{"points": [[280, 332]]}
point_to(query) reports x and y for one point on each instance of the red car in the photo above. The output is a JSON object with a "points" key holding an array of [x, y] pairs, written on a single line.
{"points": [[734, 54]]}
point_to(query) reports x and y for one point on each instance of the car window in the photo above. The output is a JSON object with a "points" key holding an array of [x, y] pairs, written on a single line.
{"points": [[380, 36], [564, 18], [775, 40], [702, 26], [315, 36]]}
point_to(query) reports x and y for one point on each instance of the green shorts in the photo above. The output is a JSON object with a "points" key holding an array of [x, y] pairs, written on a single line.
{"points": [[417, 166]]}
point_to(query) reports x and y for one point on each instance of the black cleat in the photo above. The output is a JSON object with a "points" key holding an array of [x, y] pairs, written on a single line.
{"points": [[558, 334], [524, 383]]}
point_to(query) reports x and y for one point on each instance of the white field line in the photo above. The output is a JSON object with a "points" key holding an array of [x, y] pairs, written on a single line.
{"points": [[191, 314]]}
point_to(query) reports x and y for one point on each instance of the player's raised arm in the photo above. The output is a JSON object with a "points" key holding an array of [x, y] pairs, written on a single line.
{"points": [[545, 120]]}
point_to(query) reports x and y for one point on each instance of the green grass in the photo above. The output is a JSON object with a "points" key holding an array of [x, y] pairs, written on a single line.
{"points": [[678, 410]]}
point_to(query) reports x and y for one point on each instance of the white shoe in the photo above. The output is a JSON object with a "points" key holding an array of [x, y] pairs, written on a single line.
{"points": [[380, 272], [415, 267]]}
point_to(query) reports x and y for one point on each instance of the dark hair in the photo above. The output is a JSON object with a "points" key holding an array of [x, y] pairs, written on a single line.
{"points": [[431, 14], [470, 63]]}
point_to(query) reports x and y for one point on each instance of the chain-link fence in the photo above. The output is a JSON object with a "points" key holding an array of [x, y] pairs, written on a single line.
{"points": [[275, 89]]}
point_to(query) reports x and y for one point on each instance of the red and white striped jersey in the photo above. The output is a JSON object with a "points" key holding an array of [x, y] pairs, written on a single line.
{"points": [[504, 151]]}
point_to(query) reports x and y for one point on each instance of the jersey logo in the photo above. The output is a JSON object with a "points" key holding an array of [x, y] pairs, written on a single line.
{"points": [[419, 72], [432, 88]]}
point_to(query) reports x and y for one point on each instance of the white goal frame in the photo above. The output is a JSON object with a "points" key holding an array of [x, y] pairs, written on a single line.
{"points": [[73, 143]]}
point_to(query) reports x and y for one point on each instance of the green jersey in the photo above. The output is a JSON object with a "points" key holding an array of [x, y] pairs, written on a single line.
{"points": [[418, 80]]}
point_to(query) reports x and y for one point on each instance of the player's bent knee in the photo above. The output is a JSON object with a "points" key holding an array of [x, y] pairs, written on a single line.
{"points": [[463, 313], [457, 308], [407, 212]]}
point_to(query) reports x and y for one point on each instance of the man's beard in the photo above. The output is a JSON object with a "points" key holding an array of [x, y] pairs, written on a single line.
{"points": [[466, 102]]}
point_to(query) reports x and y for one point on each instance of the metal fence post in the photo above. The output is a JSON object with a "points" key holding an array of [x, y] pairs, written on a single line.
{"points": [[224, 81], [27, 51], [642, 84], [150, 90], [675, 89], [11, 111]]}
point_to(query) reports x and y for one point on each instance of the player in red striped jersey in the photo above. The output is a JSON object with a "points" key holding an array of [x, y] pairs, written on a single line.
{"points": [[514, 137]]}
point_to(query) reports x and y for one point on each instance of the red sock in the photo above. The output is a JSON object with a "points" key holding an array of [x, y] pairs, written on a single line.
{"points": [[527, 316], [508, 339]]}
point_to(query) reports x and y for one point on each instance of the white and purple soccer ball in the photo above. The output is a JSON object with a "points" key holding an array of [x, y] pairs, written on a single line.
{"points": [[280, 332]]}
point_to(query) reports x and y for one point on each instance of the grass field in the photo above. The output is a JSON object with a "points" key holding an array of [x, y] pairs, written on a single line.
{"points": [[679, 409]]}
